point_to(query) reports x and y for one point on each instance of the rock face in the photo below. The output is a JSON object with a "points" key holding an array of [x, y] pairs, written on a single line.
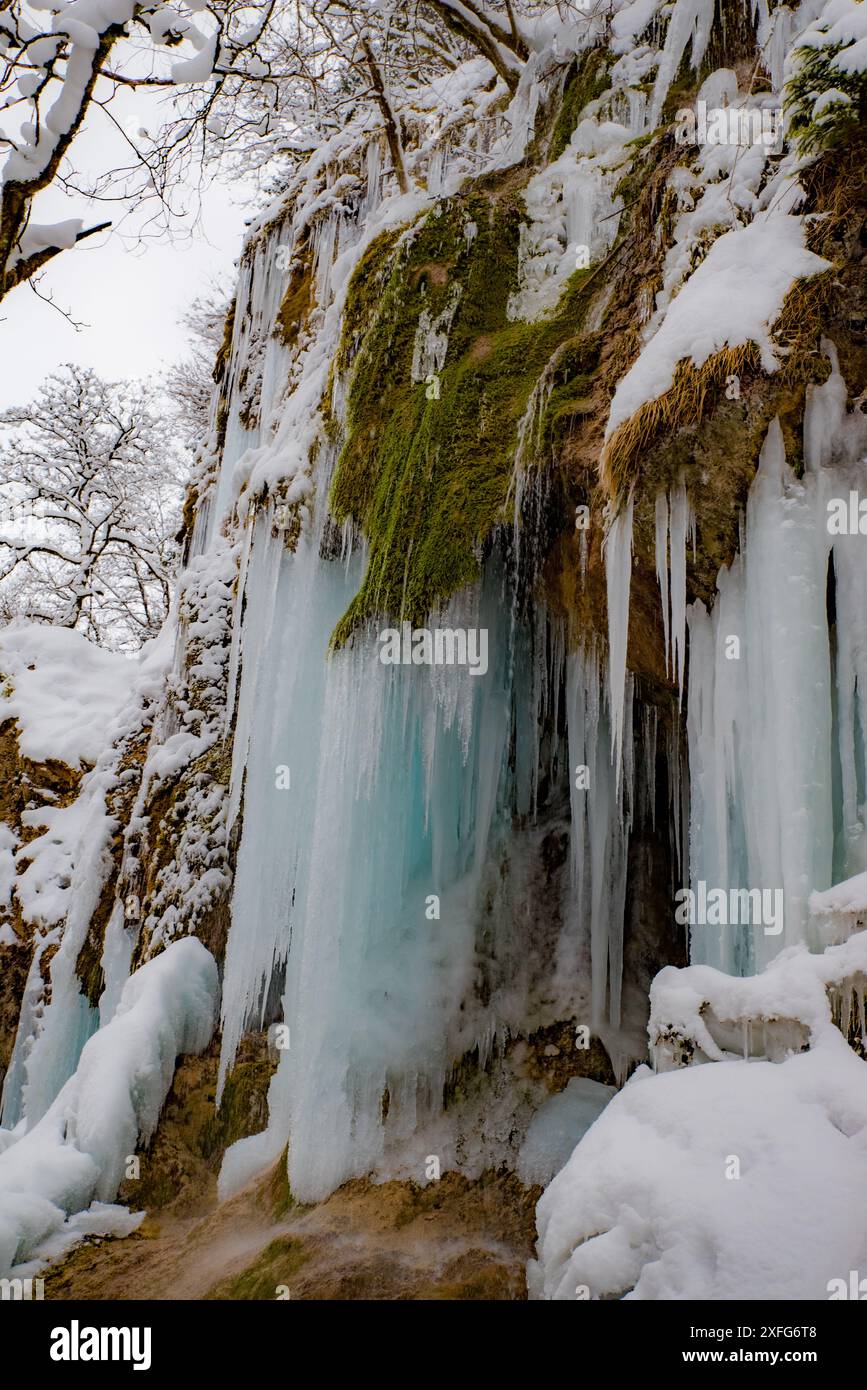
{"points": [[25, 786], [450, 1240], [423, 932]]}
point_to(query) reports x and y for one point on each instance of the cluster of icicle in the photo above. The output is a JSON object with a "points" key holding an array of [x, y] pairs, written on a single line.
{"points": [[777, 680]]}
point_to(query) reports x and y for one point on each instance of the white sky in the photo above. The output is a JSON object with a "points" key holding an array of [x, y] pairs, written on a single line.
{"points": [[130, 296]]}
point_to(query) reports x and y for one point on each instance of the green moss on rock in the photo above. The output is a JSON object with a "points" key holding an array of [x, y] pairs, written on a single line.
{"points": [[425, 469], [586, 81], [274, 1267]]}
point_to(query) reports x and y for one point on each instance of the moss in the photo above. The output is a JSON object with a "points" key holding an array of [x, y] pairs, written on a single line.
{"points": [[280, 1192], [243, 1108], [586, 80], [368, 282], [225, 348], [427, 476], [275, 1266], [297, 301]]}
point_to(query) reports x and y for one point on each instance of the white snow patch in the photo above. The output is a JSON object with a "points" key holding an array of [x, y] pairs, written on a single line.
{"points": [[64, 693], [76, 1153], [733, 298]]}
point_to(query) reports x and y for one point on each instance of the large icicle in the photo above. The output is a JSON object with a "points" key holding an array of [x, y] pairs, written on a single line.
{"points": [[662, 571], [618, 577]]}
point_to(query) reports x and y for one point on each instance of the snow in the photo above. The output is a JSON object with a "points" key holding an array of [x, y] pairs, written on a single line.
{"points": [[849, 896], [725, 1016], [630, 22], [76, 1153], [840, 909], [733, 298], [719, 190], [841, 25], [63, 691], [199, 67], [686, 1185], [647, 1208], [38, 235]]}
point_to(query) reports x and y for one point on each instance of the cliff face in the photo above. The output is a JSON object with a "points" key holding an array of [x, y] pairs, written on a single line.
{"points": [[569, 390]]}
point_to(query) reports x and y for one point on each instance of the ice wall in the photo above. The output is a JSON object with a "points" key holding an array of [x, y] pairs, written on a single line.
{"points": [[777, 682], [378, 910]]}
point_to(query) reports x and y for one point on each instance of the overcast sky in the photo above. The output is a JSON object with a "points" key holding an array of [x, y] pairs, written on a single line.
{"points": [[129, 296]]}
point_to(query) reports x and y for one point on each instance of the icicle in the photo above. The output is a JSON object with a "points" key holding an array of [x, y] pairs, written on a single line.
{"points": [[237, 628], [662, 570], [599, 829], [681, 527], [759, 717], [618, 576], [688, 21]]}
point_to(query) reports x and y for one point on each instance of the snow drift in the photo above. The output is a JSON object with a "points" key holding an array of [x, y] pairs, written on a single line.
{"points": [[75, 1154]]}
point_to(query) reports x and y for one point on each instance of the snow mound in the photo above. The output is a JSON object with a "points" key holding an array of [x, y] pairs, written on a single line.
{"points": [[76, 1153], [685, 1186], [708, 1010], [64, 692]]}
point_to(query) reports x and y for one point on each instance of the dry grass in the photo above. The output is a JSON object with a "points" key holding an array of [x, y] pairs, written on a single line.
{"points": [[684, 403], [836, 186]]}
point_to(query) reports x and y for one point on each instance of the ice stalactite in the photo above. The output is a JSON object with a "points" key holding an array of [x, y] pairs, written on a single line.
{"points": [[380, 879], [601, 804], [618, 578], [662, 571], [369, 873], [760, 719], [689, 23], [777, 675], [674, 527]]}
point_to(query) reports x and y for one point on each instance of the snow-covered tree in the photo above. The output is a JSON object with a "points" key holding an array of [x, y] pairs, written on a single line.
{"points": [[190, 381], [61, 59], [91, 485], [261, 80]]}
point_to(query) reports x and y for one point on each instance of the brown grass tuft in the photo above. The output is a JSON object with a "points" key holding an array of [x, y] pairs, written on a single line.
{"points": [[682, 404]]}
